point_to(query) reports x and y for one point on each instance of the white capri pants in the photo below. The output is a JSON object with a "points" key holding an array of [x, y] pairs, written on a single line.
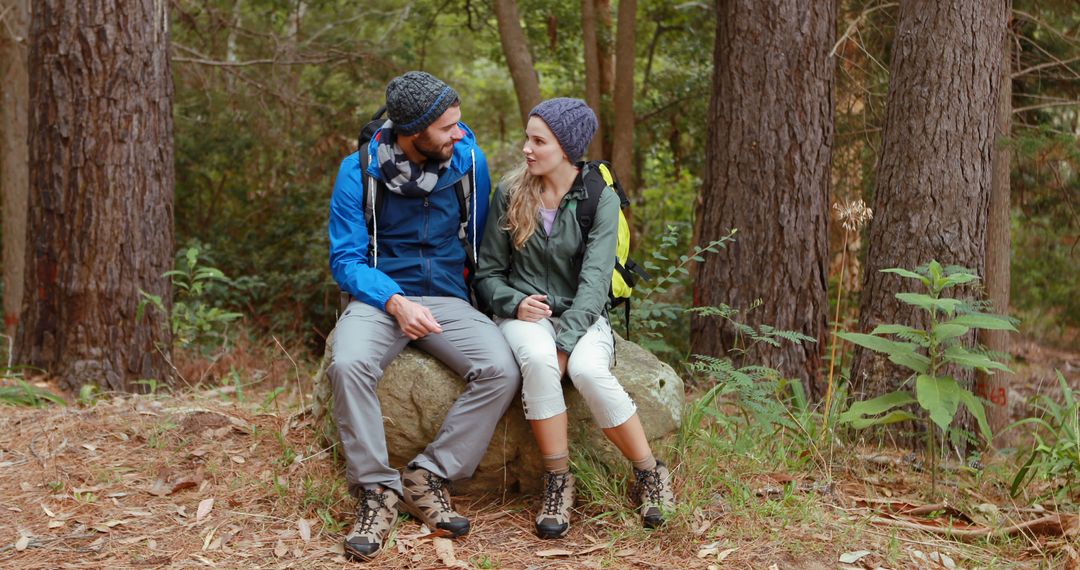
{"points": [[533, 345]]}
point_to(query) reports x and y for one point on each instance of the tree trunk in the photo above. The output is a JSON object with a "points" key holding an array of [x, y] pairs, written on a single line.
{"points": [[518, 59], [592, 73], [994, 389], [936, 162], [14, 160], [622, 139], [101, 205], [770, 136], [605, 56]]}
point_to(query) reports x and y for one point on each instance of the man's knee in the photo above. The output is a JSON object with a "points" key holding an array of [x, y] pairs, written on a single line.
{"points": [[353, 372], [501, 372]]}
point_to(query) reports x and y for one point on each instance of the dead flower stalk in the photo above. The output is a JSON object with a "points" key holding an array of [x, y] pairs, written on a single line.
{"points": [[852, 217]]}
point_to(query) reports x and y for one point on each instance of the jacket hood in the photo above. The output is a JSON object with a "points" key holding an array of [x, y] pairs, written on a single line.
{"points": [[460, 163]]}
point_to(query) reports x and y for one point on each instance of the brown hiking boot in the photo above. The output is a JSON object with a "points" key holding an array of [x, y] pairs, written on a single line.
{"points": [[653, 492], [376, 514], [427, 498], [554, 518]]}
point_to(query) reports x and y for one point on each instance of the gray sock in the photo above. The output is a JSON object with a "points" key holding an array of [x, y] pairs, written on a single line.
{"points": [[647, 463], [557, 463]]}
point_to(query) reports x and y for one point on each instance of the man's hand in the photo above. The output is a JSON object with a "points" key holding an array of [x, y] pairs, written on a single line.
{"points": [[415, 320], [563, 359], [533, 308]]}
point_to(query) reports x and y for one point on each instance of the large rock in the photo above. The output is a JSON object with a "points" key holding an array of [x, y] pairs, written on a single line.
{"points": [[417, 391]]}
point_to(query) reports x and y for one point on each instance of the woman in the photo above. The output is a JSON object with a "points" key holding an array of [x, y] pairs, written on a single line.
{"points": [[550, 302]]}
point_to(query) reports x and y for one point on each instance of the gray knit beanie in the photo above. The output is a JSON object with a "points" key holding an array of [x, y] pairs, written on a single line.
{"points": [[572, 122], [414, 100]]}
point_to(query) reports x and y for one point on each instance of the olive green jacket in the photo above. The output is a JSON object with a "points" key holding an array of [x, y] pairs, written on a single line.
{"points": [[576, 286]]}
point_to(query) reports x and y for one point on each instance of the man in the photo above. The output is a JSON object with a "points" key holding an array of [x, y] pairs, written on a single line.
{"points": [[425, 190]]}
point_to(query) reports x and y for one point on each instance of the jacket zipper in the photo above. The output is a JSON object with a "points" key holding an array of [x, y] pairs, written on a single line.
{"points": [[549, 258]]}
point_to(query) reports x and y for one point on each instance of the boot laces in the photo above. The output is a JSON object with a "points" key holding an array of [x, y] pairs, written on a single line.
{"points": [[436, 485], [649, 482], [366, 514], [553, 493]]}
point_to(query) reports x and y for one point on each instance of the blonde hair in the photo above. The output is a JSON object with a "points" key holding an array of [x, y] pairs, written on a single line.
{"points": [[523, 196]]}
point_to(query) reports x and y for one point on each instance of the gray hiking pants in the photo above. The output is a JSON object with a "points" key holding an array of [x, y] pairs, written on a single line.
{"points": [[367, 339]]}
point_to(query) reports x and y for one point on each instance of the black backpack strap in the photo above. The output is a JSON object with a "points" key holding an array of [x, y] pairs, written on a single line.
{"points": [[632, 271], [462, 199], [594, 185], [370, 128], [463, 207]]}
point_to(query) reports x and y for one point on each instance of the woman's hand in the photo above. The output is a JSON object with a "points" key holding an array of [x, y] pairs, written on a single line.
{"points": [[533, 308]]}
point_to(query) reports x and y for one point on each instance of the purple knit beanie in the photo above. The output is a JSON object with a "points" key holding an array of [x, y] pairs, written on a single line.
{"points": [[572, 122]]}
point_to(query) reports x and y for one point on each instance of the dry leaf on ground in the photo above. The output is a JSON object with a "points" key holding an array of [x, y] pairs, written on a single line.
{"points": [[548, 553], [444, 549], [853, 557], [205, 506]]}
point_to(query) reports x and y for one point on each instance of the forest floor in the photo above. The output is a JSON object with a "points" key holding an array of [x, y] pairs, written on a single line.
{"points": [[231, 478]]}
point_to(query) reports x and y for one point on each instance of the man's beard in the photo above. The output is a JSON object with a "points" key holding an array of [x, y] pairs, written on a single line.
{"points": [[423, 146]]}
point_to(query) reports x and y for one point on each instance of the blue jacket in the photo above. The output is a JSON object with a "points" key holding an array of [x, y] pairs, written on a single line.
{"points": [[419, 252]]}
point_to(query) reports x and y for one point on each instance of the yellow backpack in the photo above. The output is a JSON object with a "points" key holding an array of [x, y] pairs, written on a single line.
{"points": [[597, 176]]}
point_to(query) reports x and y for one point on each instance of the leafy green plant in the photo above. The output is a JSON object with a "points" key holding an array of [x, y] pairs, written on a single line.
{"points": [[761, 394], [288, 454], [89, 394], [271, 398], [483, 562], [195, 321], [929, 353], [329, 523], [151, 384], [23, 393], [1055, 451], [655, 305]]}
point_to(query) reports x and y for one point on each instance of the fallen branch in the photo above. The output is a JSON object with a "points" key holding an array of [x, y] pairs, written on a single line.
{"points": [[1060, 525]]}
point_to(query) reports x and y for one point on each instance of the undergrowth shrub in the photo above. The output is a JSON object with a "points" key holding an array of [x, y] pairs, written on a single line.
{"points": [[930, 353], [1054, 456], [197, 321]]}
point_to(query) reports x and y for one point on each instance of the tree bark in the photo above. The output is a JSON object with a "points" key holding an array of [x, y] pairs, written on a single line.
{"points": [[101, 205], [770, 136], [606, 57], [622, 139], [994, 389], [936, 162], [592, 73], [518, 59], [605, 44], [14, 156]]}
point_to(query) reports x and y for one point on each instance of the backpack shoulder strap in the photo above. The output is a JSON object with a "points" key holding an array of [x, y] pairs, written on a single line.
{"points": [[463, 188], [370, 129], [595, 176]]}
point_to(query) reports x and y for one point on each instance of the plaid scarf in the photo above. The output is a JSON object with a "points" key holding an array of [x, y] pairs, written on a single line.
{"points": [[401, 175]]}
